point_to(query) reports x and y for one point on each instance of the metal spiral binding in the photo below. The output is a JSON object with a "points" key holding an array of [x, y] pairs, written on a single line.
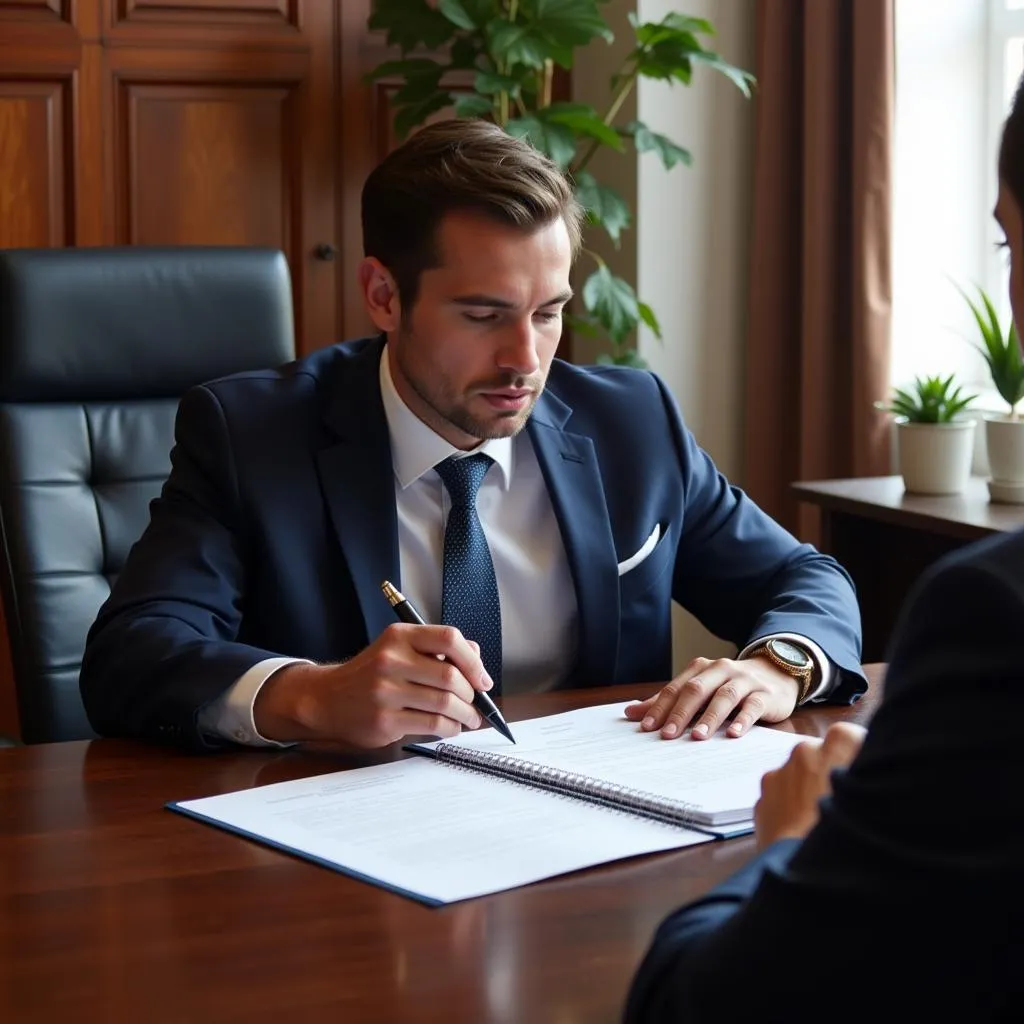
{"points": [[557, 780]]}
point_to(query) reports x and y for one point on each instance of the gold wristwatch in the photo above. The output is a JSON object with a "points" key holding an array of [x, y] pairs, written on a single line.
{"points": [[792, 659]]}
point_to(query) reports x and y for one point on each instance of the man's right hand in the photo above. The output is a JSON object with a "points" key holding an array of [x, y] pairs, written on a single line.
{"points": [[396, 687], [789, 806]]}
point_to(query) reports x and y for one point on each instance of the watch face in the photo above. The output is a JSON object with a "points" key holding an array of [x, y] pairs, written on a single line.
{"points": [[790, 654]]}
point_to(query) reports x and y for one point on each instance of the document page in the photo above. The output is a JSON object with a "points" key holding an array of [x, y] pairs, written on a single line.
{"points": [[719, 778], [434, 832]]}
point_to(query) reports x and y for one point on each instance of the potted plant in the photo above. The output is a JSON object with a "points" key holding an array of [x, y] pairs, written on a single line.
{"points": [[508, 52], [1004, 432], [934, 446]]}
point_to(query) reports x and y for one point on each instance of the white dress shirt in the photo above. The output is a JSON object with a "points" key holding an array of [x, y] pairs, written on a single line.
{"points": [[535, 588]]}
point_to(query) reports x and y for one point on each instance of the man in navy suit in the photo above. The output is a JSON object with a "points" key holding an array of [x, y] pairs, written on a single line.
{"points": [[251, 611]]}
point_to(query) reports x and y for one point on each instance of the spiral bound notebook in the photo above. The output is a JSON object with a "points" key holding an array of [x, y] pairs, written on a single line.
{"points": [[595, 754], [476, 815]]}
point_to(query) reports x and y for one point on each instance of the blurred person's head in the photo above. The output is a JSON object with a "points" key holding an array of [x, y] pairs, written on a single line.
{"points": [[1009, 211]]}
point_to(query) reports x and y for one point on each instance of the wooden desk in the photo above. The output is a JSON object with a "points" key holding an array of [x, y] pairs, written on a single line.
{"points": [[115, 909], [886, 538]]}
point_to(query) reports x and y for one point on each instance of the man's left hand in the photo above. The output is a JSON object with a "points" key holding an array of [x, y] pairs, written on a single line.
{"points": [[708, 692]]}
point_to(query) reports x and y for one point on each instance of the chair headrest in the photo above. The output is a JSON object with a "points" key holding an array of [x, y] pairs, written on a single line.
{"points": [[106, 324]]}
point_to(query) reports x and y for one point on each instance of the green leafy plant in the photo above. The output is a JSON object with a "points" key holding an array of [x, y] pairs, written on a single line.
{"points": [[512, 47], [929, 400], [1000, 349]]}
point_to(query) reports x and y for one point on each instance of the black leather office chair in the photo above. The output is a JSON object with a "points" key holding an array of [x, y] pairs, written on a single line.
{"points": [[96, 348]]}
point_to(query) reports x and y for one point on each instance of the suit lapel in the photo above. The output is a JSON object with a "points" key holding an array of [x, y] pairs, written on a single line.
{"points": [[357, 480], [569, 465]]}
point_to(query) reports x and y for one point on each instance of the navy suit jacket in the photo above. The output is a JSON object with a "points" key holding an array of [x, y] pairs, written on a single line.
{"points": [[277, 524], [905, 902]]}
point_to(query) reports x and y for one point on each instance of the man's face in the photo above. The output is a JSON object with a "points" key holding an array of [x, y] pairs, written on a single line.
{"points": [[472, 356], [1011, 219]]}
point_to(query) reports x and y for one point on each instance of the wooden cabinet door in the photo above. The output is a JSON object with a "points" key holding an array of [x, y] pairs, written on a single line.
{"points": [[221, 117], [50, 163], [174, 122]]}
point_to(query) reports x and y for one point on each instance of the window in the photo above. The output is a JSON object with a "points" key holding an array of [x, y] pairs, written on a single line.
{"points": [[957, 63]]}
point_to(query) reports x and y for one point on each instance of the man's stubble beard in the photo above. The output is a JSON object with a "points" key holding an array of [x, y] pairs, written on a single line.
{"points": [[449, 409]]}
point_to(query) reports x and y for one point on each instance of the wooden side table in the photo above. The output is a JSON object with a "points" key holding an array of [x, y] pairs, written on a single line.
{"points": [[885, 538]]}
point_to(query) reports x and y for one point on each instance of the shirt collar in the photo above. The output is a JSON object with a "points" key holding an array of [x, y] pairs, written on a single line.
{"points": [[415, 448]]}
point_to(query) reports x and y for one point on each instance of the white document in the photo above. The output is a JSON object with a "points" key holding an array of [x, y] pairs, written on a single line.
{"points": [[434, 832], [440, 834]]}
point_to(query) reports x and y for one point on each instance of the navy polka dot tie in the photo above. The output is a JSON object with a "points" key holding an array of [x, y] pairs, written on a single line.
{"points": [[469, 596]]}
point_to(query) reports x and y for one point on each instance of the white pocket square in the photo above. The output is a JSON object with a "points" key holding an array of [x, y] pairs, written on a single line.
{"points": [[648, 546]]}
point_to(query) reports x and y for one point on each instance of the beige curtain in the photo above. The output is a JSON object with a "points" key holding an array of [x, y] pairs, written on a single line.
{"points": [[820, 281]]}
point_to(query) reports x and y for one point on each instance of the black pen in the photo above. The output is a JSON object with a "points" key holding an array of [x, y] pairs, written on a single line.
{"points": [[481, 701]]}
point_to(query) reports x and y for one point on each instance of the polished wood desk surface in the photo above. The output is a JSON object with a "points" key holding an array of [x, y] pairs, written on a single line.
{"points": [[115, 909], [969, 516]]}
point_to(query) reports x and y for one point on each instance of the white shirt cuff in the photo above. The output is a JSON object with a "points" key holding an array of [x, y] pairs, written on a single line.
{"points": [[230, 715], [822, 663]]}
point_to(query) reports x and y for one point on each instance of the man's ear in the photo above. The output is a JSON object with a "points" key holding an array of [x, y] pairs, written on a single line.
{"points": [[380, 294]]}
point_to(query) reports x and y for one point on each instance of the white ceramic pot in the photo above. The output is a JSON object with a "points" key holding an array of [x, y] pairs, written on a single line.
{"points": [[1004, 444], [1004, 441], [935, 458]]}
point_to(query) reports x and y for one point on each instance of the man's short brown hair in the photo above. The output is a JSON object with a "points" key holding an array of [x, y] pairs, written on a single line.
{"points": [[458, 165]]}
